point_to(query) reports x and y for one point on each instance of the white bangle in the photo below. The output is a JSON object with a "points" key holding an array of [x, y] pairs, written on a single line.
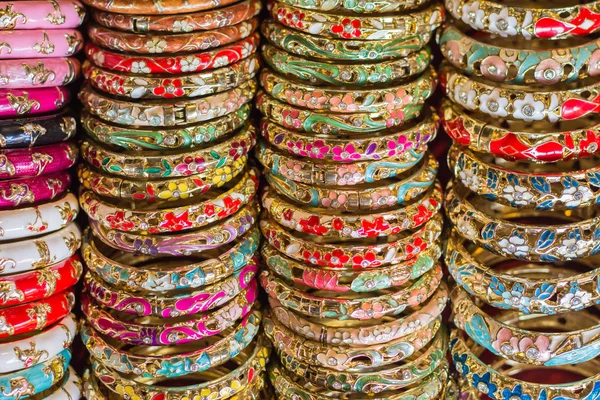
{"points": [[71, 388], [42, 219], [27, 352], [41, 252]]}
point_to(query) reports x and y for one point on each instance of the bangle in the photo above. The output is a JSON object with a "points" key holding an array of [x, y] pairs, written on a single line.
{"points": [[37, 189], [358, 7], [51, 43], [140, 64], [37, 379], [152, 7], [18, 163], [154, 165], [325, 72], [42, 130], [320, 47], [42, 15], [201, 300], [359, 308], [27, 255], [188, 22], [352, 226], [359, 334], [36, 316], [143, 362], [507, 101], [27, 352], [401, 99], [553, 187], [533, 142], [121, 270], [17, 102], [50, 72], [40, 284], [184, 42], [32, 221], [343, 281], [180, 138], [368, 148], [527, 22], [503, 63], [337, 174], [181, 244], [493, 229], [191, 85], [321, 123], [365, 27]]}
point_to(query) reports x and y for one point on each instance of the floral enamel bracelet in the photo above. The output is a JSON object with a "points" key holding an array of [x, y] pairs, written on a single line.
{"points": [[42, 14], [18, 163], [153, 7], [34, 101], [40, 43], [50, 72], [357, 6], [38, 189], [34, 131]]}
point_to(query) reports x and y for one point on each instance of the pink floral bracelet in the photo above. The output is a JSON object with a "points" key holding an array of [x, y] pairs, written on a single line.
{"points": [[36, 73], [26, 191], [41, 14], [40, 43], [19, 102], [35, 161]]}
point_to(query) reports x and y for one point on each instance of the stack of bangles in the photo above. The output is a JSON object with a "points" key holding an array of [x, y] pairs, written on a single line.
{"points": [[522, 107], [39, 240], [170, 291]]}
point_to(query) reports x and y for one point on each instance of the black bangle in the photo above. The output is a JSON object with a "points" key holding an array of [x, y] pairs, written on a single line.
{"points": [[37, 131]]}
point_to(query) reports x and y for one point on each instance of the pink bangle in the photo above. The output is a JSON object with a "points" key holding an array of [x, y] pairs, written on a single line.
{"points": [[49, 72], [41, 14], [17, 102], [40, 43], [25, 191], [20, 163]]}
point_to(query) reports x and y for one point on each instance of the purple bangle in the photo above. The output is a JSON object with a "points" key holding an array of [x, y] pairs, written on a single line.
{"points": [[37, 73], [17, 102], [40, 43], [41, 14], [20, 163], [26, 191]]}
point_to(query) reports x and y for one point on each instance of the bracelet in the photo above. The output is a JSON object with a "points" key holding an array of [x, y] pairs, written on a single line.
{"points": [[370, 148], [553, 187], [359, 334], [36, 316], [359, 7], [493, 229], [513, 102], [36, 379], [534, 142], [180, 138], [201, 300], [18, 163], [37, 189], [143, 362], [45, 218], [321, 123], [188, 22], [191, 85], [40, 43], [503, 63], [49, 72], [41, 130], [205, 162], [325, 72], [388, 193], [369, 27], [319, 47], [159, 114], [27, 352], [17, 102], [352, 226], [181, 244], [529, 23], [121, 270], [42, 15], [140, 64], [338, 174], [343, 281], [401, 99], [36, 285], [153, 7], [516, 341], [155, 43]]}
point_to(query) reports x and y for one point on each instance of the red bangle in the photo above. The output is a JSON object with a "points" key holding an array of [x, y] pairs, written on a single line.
{"points": [[20, 192], [20, 163], [216, 58], [35, 316], [40, 284]]}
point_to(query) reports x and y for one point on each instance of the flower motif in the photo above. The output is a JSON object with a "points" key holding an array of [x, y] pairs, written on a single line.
{"points": [[191, 165], [247, 49], [156, 45], [373, 229], [517, 195], [515, 246], [145, 246], [469, 179], [182, 26], [315, 99], [348, 29], [529, 109], [321, 279], [506, 343], [189, 64], [572, 247], [397, 100], [175, 191], [222, 175], [483, 384], [174, 222], [139, 67], [317, 149], [229, 207], [574, 196], [460, 362], [515, 298], [337, 258], [118, 221], [590, 144], [369, 310], [466, 227], [98, 58], [345, 153], [399, 146], [494, 68], [238, 149], [537, 351], [169, 88], [466, 95], [332, 359], [348, 174], [290, 118], [220, 61], [342, 337], [416, 247], [576, 299], [297, 148], [127, 392], [493, 104], [334, 200], [209, 42], [313, 257], [338, 382], [417, 296], [369, 260], [516, 393], [548, 72], [382, 198], [313, 226], [295, 98], [503, 24], [472, 15], [395, 118], [344, 103], [423, 215], [290, 169]]}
